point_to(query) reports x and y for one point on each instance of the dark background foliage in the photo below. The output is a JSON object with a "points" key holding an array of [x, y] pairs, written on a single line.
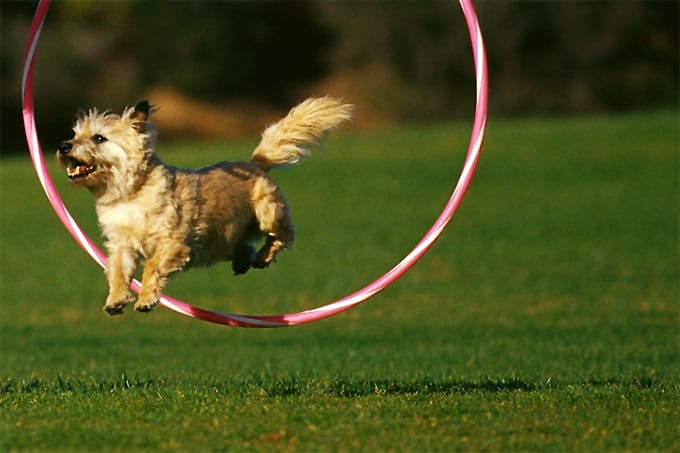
{"points": [[400, 61]]}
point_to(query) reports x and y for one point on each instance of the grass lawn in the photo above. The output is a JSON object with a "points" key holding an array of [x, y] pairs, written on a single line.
{"points": [[545, 318]]}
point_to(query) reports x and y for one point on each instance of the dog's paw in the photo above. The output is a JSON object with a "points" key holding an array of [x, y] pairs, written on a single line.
{"points": [[113, 310], [243, 259], [267, 254], [145, 307], [261, 264], [264, 258], [115, 306]]}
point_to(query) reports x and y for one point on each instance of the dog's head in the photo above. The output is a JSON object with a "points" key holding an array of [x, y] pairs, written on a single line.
{"points": [[109, 152]]}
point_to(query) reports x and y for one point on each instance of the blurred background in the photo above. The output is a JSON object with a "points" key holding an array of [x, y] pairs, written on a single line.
{"points": [[220, 70]]}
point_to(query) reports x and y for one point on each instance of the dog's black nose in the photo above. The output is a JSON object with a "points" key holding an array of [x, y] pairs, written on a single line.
{"points": [[65, 147]]}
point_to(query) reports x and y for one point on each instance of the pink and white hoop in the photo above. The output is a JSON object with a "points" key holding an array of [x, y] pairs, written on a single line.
{"points": [[291, 319]]}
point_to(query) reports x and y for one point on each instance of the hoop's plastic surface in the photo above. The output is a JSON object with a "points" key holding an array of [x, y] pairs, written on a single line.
{"points": [[291, 319]]}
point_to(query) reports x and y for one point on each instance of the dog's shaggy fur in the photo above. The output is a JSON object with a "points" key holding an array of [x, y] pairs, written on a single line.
{"points": [[177, 218]]}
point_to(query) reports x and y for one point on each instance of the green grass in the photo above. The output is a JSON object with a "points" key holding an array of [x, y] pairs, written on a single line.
{"points": [[545, 318]]}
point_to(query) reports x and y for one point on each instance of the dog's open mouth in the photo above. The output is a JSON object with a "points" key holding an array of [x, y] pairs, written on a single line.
{"points": [[76, 169]]}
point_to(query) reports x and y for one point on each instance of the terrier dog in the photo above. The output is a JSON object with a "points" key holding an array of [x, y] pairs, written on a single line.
{"points": [[176, 218]]}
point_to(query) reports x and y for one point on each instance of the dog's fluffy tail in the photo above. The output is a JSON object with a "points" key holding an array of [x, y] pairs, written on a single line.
{"points": [[290, 140]]}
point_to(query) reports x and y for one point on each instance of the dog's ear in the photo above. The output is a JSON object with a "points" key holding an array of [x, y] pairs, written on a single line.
{"points": [[140, 115]]}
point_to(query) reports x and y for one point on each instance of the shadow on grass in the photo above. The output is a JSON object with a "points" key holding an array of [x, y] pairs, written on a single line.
{"points": [[296, 386], [350, 389]]}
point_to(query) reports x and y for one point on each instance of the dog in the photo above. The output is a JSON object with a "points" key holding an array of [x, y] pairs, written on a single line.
{"points": [[176, 218]]}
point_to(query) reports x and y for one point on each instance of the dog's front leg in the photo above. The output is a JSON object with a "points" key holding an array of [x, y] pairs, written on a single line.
{"points": [[122, 263], [157, 269]]}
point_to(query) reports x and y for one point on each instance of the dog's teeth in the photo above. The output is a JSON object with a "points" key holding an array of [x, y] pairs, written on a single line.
{"points": [[77, 171]]}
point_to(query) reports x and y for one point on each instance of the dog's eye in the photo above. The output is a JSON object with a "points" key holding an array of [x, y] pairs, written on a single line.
{"points": [[97, 139]]}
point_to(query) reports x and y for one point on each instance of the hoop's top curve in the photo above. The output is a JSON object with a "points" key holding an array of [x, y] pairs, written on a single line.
{"points": [[291, 319]]}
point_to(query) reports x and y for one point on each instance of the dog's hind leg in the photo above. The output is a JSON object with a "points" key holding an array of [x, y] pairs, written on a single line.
{"points": [[169, 258], [244, 255], [271, 212]]}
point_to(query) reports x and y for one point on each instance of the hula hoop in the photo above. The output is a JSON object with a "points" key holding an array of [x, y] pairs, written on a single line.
{"points": [[285, 320]]}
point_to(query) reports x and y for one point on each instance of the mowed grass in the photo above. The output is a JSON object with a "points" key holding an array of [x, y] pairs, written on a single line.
{"points": [[545, 318]]}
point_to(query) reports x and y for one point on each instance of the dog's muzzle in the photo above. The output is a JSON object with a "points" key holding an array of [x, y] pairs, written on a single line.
{"points": [[75, 168]]}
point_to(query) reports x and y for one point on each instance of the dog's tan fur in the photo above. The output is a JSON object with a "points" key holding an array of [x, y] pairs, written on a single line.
{"points": [[177, 218]]}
